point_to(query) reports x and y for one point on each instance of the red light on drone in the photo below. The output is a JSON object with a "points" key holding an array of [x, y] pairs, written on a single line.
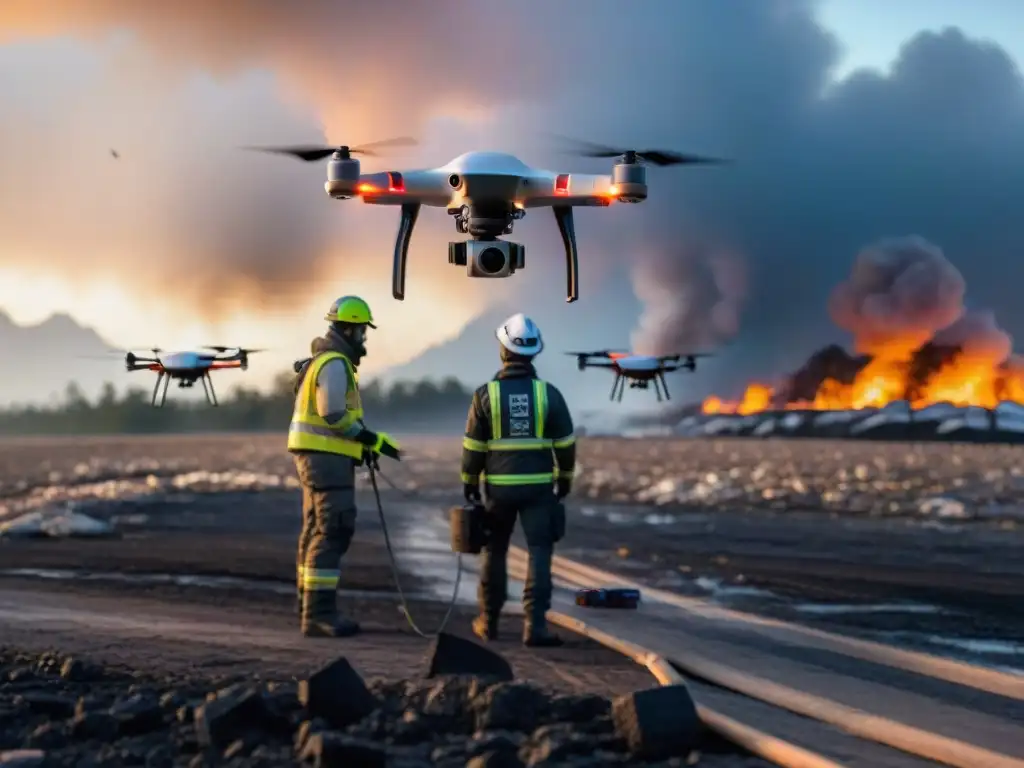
{"points": [[395, 182], [562, 184], [366, 189]]}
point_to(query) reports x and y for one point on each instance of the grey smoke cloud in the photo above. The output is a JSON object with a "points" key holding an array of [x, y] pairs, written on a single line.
{"points": [[692, 300], [979, 337], [898, 290], [931, 147], [903, 292]]}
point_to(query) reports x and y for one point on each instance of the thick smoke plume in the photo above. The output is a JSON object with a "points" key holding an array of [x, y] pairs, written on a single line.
{"points": [[692, 300], [978, 336], [904, 304], [902, 293], [899, 291], [183, 217]]}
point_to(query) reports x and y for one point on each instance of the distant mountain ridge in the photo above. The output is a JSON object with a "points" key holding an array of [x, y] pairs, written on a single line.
{"points": [[603, 319], [40, 359]]}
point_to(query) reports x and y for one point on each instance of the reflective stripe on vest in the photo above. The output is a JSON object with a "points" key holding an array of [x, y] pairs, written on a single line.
{"points": [[308, 431], [534, 443]]}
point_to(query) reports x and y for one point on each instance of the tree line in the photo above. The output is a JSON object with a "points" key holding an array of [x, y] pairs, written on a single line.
{"points": [[415, 405]]}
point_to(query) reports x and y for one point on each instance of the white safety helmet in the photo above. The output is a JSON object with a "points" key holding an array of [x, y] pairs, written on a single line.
{"points": [[520, 335]]}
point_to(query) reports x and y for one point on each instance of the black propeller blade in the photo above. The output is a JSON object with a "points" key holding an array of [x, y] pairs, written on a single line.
{"points": [[660, 157], [310, 153], [599, 353], [221, 348]]}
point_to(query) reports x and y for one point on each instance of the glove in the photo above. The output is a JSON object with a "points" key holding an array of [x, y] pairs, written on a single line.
{"points": [[380, 443], [563, 486], [471, 492]]}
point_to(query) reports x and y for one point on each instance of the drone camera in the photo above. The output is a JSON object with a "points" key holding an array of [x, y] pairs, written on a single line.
{"points": [[487, 258], [342, 177], [630, 180]]}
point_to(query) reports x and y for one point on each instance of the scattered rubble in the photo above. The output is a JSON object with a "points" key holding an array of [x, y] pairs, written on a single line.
{"points": [[58, 711], [835, 476], [57, 524]]}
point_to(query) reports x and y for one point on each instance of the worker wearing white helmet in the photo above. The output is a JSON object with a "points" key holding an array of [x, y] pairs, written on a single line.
{"points": [[519, 436]]}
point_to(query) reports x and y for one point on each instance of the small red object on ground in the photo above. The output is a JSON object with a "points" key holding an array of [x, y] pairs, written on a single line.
{"points": [[608, 598]]}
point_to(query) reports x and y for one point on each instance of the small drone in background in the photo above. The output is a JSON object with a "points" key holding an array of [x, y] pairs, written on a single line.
{"points": [[188, 367], [640, 370]]}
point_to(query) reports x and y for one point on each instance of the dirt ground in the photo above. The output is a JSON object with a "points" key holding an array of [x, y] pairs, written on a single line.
{"points": [[738, 521]]}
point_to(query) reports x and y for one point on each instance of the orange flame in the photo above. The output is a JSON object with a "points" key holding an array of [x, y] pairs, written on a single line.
{"points": [[964, 381]]}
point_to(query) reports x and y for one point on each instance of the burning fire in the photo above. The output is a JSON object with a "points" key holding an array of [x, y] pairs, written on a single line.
{"points": [[892, 374], [903, 303]]}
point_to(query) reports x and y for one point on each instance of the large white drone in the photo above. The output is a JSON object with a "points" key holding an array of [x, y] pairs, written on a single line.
{"points": [[487, 192]]}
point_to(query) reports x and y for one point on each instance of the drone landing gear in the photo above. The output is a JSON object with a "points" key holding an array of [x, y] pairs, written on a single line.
{"points": [[161, 378], [410, 212], [660, 385], [618, 387], [567, 229], [211, 396]]}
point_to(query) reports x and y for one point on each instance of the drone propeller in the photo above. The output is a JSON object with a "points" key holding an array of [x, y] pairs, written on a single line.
{"points": [[241, 350], [660, 157], [131, 350], [599, 353], [312, 152]]}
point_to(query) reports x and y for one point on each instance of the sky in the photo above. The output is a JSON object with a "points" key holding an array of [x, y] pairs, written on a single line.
{"points": [[872, 31], [186, 239]]}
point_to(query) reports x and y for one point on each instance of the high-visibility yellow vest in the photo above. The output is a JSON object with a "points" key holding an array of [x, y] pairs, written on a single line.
{"points": [[308, 431]]}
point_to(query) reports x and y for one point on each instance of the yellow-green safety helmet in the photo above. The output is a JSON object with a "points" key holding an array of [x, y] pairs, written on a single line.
{"points": [[350, 309]]}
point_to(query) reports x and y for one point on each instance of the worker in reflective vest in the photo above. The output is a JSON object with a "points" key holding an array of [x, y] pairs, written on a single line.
{"points": [[519, 438], [327, 440]]}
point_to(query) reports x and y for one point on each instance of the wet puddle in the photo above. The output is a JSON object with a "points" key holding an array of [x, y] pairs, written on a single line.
{"points": [[837, 609]]}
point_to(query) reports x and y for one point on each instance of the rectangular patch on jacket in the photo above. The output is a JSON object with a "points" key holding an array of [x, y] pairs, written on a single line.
{"points": [[519, 406], [520, 428]]}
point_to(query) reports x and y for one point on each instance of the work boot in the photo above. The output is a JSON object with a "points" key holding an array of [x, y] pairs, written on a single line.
{"points": [[486, 627], [320, 616], [539, 636]]}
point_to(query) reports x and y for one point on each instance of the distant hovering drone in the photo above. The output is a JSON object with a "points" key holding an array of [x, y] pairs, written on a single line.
{"points": [[188, 368], [641, 370], [487, 192]]}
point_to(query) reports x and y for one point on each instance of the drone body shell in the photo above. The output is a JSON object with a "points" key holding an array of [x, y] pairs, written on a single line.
{"points": [[629, 364], [492, 176], [185, 362]]}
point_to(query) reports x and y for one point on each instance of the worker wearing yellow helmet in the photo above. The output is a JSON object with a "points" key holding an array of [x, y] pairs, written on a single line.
{"points": [[327, 439]]}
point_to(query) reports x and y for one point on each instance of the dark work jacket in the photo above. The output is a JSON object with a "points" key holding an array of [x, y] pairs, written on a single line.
{"points": [[329, 342], [516, 380]]}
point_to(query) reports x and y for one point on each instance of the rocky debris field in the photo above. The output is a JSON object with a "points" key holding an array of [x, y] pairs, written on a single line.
{"points": [[66, 711], [965, 482]]}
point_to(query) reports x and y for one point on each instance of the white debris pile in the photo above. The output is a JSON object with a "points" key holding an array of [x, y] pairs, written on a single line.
{"points": [[99, 470], [944, 508], [109, 493], [232, 480], [614, 483], [711, 488], [125, 490], [57, 523]]}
